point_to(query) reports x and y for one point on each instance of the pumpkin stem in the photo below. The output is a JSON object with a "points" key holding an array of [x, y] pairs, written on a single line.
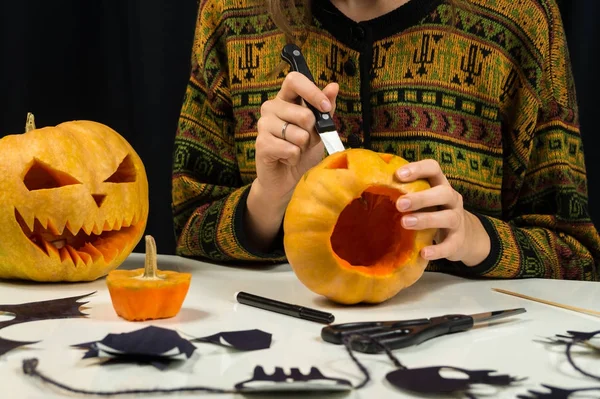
{"points": [[150, 260], [30, 123]]}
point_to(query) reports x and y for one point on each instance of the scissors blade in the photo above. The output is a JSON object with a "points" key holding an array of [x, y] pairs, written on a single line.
{"points": [[498, 314]]}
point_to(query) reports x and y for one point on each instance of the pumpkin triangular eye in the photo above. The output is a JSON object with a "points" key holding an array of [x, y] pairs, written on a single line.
{"points": [[125, 173], [43, 176]]}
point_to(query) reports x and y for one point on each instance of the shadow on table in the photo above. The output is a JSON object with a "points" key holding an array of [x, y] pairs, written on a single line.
{"points": [[429, 284], [106, 312]]}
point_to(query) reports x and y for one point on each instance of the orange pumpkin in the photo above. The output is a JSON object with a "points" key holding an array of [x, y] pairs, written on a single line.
{"points": [[73, 204], [148, 293], [342, 232]]}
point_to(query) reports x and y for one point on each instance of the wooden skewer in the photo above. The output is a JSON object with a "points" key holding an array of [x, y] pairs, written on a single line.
{"points": [[560, 305]]}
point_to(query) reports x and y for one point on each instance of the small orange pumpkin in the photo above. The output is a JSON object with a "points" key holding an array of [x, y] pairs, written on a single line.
{"points": [[148, 293], [342, 232], [73, 202]]}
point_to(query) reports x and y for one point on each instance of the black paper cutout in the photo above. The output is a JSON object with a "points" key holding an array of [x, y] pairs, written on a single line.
{"points": [[245, 340], [426, 379], [576, 338], [429, 379], [295, 381], [6, 345], [157, 346], [63, 308], [313, 382], [555, 393]]}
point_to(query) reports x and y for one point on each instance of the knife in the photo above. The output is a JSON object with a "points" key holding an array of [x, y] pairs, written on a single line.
{"points": [[324, 125]]}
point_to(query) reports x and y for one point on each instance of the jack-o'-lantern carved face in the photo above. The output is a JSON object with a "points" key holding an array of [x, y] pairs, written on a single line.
{"points": [[73, 203]]}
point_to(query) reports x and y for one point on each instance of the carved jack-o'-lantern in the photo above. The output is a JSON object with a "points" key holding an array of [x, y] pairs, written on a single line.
{"points": [[73, 202]]}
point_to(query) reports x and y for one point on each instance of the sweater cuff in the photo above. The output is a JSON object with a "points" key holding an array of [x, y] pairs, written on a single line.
{"points": [[276, 251], [490, 262], [493, 258]]}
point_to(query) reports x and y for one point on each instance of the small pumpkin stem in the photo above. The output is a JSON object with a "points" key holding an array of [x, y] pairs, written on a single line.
{"points": [[150, 260], [30, 123]]}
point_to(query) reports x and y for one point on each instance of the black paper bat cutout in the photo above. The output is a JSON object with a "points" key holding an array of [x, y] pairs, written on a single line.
{"points": [[430, 380], [63, 308], [245, 340], [555, 393], [295, 381], [6, 345], [154, 345]]}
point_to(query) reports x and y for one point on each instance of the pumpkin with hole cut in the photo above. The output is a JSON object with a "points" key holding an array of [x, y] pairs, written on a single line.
{"points": [[342, 232], [73, 204]]}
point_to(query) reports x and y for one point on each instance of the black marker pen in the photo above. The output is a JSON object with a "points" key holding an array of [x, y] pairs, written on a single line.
{"points": [[284, 308]]}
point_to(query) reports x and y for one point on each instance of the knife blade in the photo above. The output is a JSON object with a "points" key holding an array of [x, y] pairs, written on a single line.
{"points": [[324, 122]]}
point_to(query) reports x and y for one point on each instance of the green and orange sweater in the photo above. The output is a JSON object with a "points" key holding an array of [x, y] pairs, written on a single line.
{"points": [[485, 90]]}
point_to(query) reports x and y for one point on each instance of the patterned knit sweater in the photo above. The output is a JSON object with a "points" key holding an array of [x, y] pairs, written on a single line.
{"points": [[491, 98]]}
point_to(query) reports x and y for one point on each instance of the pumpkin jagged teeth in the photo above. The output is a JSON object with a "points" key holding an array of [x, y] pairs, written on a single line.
{"points": [[95, 254], [127, 221], [51, 250], [52, 228], [74, 229], [109, 252], [85, 257], [25, 218], [64, 254], [107, 226], [74, 255], [97, 229], [60, 228], [117, 225], [43, 222], [88, 227]]}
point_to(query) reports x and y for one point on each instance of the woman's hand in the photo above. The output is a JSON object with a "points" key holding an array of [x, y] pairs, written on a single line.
{"points": [[461, 236], [287, 146]]}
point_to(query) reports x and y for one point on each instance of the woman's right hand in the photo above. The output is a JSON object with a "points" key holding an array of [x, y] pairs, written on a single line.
{"points": [[282, 160]]}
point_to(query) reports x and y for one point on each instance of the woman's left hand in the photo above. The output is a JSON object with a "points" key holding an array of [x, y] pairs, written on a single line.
{"points": [[461, 236]]}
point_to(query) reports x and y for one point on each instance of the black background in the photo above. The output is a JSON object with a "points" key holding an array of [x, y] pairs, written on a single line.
{"points": [[125, 63]]}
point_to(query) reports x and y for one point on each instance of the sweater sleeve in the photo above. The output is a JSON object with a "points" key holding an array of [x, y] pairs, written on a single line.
{"points": [[546, 231], [208, 196]]}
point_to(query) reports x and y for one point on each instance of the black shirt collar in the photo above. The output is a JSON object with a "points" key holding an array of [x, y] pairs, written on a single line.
{"points": [[355, 34]]}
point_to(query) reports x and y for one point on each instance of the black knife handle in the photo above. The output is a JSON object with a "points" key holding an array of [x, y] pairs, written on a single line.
{"points": [[405, 336], [293, 56]]}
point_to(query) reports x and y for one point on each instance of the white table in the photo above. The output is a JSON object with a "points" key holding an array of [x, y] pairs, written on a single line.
{"points": [[210, 308]]}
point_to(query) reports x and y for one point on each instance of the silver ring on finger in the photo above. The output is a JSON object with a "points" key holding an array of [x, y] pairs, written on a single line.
{"points": [[283, 129]]}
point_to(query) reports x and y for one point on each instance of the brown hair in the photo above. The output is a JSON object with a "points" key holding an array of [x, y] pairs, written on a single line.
{"points": [[291, 15]]}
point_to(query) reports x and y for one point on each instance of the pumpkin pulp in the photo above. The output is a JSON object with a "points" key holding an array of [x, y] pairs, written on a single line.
{"points": [[368, 234]]}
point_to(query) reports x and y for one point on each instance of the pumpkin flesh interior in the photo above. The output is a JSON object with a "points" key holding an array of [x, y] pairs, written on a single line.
{"points": [[80, 245], [369, 235]]}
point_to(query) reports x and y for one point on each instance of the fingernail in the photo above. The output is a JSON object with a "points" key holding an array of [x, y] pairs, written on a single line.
{"points": [[403, 204], [404, 172], [409, 220], [325, 106], [426, 253]]}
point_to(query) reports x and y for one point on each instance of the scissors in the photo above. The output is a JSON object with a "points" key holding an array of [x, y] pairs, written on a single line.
{"points": [[397, 334]]}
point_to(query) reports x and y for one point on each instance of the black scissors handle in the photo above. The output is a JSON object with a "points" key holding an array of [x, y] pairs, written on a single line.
{"points": [[395, 334]]}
